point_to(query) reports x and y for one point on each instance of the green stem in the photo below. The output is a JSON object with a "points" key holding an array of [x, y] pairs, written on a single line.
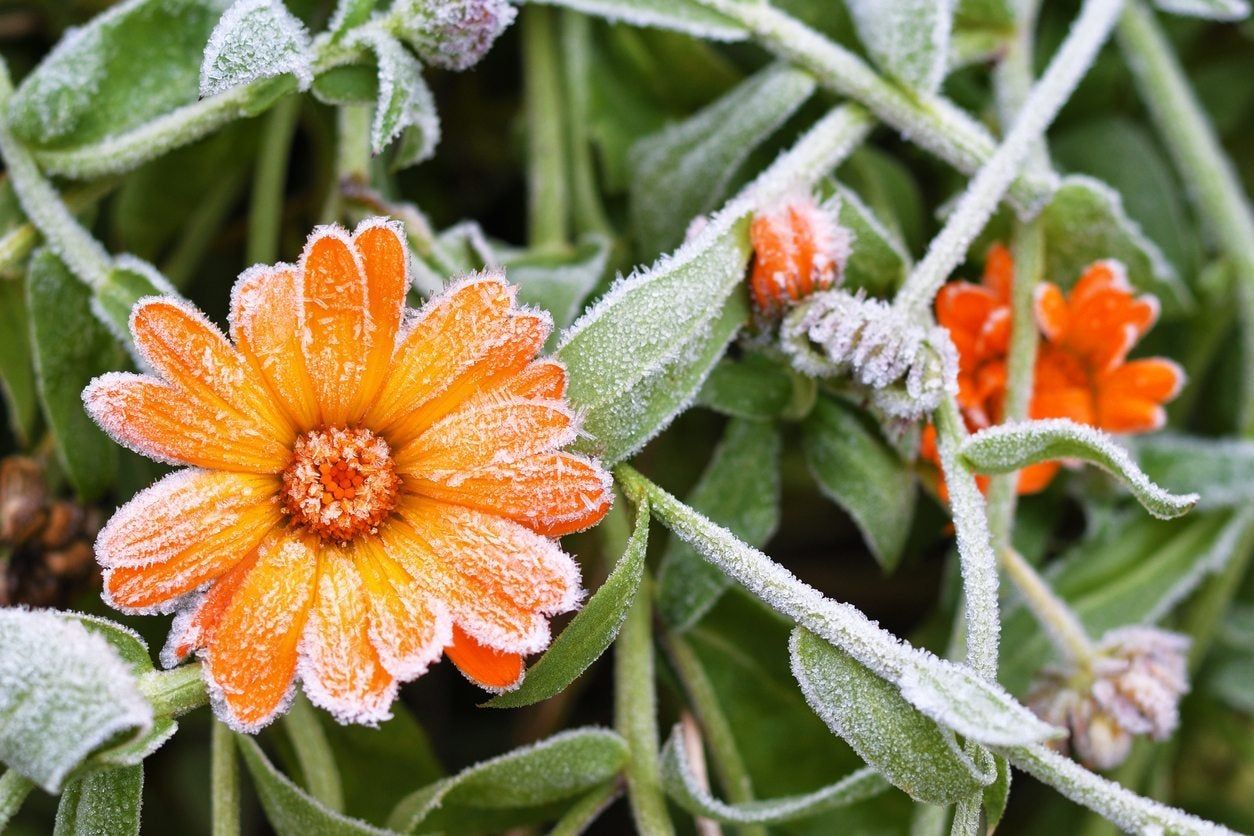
{"points": [[43, 206], [546, 165], [967, 815], [203, 223], [313, 753], [13, 791], [733, 775], [352, 159], [587, 212], [1060, 622], [1210, 176], [17, 244], [586, 810], [175, 692], [265, 213], [224, 782], [986, 189], [635, 715]]}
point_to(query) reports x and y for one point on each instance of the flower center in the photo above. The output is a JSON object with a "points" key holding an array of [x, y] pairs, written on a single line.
{"points": [[341, 482]]}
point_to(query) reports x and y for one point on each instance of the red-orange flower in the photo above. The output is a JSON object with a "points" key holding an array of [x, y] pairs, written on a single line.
{"points": [[798, 248], [369, 487]]}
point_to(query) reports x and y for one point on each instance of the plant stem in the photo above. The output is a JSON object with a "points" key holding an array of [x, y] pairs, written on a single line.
{"points": [[175, 692], [585, 811], [1060, 623], [546, 152], [202, 225], [224, 782], [265, 212], [930, 121], [979, 562], [587, 212], [635, 715], [967, 815], [18, 243], [352, 156], [986, 189], [84, 255], [1210, 176], [313, 753], [14, 788]]}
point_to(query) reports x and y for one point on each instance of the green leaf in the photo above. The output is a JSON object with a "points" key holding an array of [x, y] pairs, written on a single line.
{"points": [[404, 104], [908, 39], [70, 348], [290, 810], [906, 747], [753, 386], [1221, 471], [129, 281], [889, 188], [1212, 9], [591, 631], [64, 692], [687, 792], [255, 39], [740, 489], [347, 85], [997, 794], [558, 768], [559, 282], [878, 262], [17, 371], [1085, 222], [687, 169], [104, 802], [136, 61], [1008, 447], [687, 16], [857, 469]]}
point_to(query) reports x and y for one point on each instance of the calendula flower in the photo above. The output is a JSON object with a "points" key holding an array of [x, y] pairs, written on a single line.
{"points": [[798, 249], [369, 488]]}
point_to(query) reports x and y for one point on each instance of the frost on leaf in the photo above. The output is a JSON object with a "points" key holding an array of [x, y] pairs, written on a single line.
{"points": [[255, 39], [687, 16], [909, 39], [64, 691], [453, 34], [404, 105], [1213, 9]]}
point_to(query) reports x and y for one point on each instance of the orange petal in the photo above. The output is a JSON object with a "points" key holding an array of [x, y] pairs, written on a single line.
{"points": [[191, 353], [164, 423], [553, 494], [543, 379], [409, 630], [339, 667], [194, 624], [1154, 378], [490, 432], [265, 325], [964, 307], [1052, 315], [1036, 477], [1070, 402], [1131, 415], [381, 248], [999, 272], [250, 658], [491, 669], [334, 321]]}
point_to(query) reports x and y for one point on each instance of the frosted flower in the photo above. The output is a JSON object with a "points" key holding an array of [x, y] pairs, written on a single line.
{"points": [[369, 488], [1132, 687], [798, 249], [453, 34]]}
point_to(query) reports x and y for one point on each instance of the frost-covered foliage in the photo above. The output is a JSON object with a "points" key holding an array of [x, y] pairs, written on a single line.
{"points": [[255, 39], [454, 34]]}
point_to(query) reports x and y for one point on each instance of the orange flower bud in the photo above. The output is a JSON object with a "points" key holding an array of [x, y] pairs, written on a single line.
{"points": [[798, 248]]}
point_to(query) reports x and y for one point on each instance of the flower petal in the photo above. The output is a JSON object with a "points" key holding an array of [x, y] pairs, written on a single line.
{"points": [[491, 669], [339, 667], [999, 272], [408, 629], [489, 432], [198, 615], [1052, 313], [381, 247], [1154, 378], [543, 379], [164, 423], [250, 657]]}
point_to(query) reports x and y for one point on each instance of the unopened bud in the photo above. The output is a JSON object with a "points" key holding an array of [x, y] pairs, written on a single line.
{"points": [[453, 34], [798, 249]]}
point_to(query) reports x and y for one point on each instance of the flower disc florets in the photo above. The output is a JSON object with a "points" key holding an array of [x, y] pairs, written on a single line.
{"points": [[341, 483]]}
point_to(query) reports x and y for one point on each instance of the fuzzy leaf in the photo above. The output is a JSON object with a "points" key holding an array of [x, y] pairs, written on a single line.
{"points": [[348, 15], [559, 283], [347, 85], [907, 748], [857, 469], [908, 39], [255, 39], [17, 371], [1008, 447], [740, 489], [751, 387], [64, 692], [129, 281], [687, 16], [686, 170], [70, 348], [878, 262], [1212, 9], [136, 61], [1221, 471], [684, 789], [404, 105], [107, 801], [557, 768], [591, 631]]}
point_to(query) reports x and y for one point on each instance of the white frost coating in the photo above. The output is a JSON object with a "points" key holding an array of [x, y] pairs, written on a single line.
{"points": [[453, 34], [1212, 9], [1225, 466], [683, 787], [404, 102], [64, 691], [678, 15], [909, 39], [255, 39], [1015, 445]]}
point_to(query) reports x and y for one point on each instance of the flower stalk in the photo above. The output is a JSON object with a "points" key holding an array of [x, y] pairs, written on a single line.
{"points": [[313, 753], [546, 154], [1060, 622], [265, 212], [175, 692], [224, 782]]}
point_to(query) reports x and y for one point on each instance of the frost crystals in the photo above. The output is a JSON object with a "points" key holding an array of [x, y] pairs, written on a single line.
{"points": [[255, 39]]}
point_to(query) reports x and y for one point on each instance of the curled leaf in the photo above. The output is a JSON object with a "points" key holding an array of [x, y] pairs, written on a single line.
{"points": [[255, 39]]}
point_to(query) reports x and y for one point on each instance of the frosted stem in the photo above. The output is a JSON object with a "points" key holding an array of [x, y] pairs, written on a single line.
{"points": [[546, 152], [1061, 624], [175, 692], [979, 202], [265, 211], [14, 788], [224, 782], [313, 753], [1207, 172]]}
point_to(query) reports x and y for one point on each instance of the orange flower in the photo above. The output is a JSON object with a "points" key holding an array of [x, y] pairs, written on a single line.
{"points": [[798, 248], [369, 487]]}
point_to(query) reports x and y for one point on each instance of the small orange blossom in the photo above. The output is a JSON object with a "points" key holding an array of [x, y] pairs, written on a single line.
{"points": [[798, 248]]}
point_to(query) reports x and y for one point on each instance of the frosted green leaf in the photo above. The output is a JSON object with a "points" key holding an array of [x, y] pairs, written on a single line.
{"points": [[64, 692], [752, 387], [17, 374], [1213, 9], [559, 283], [107, 801], [682, 786], [1012, 446], [687, 16], [591, 631], [348, 15], [686, 169], [910, 750], [740, 489], [255, 39], [404, 104], [858, 470], [347, 85], [878, 262], [557, 768], [130, 280], [908, 39], [1221, 471]]}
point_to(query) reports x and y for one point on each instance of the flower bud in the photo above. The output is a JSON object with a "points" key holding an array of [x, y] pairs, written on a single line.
{"points": [[454, 34], [798, 249]]}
